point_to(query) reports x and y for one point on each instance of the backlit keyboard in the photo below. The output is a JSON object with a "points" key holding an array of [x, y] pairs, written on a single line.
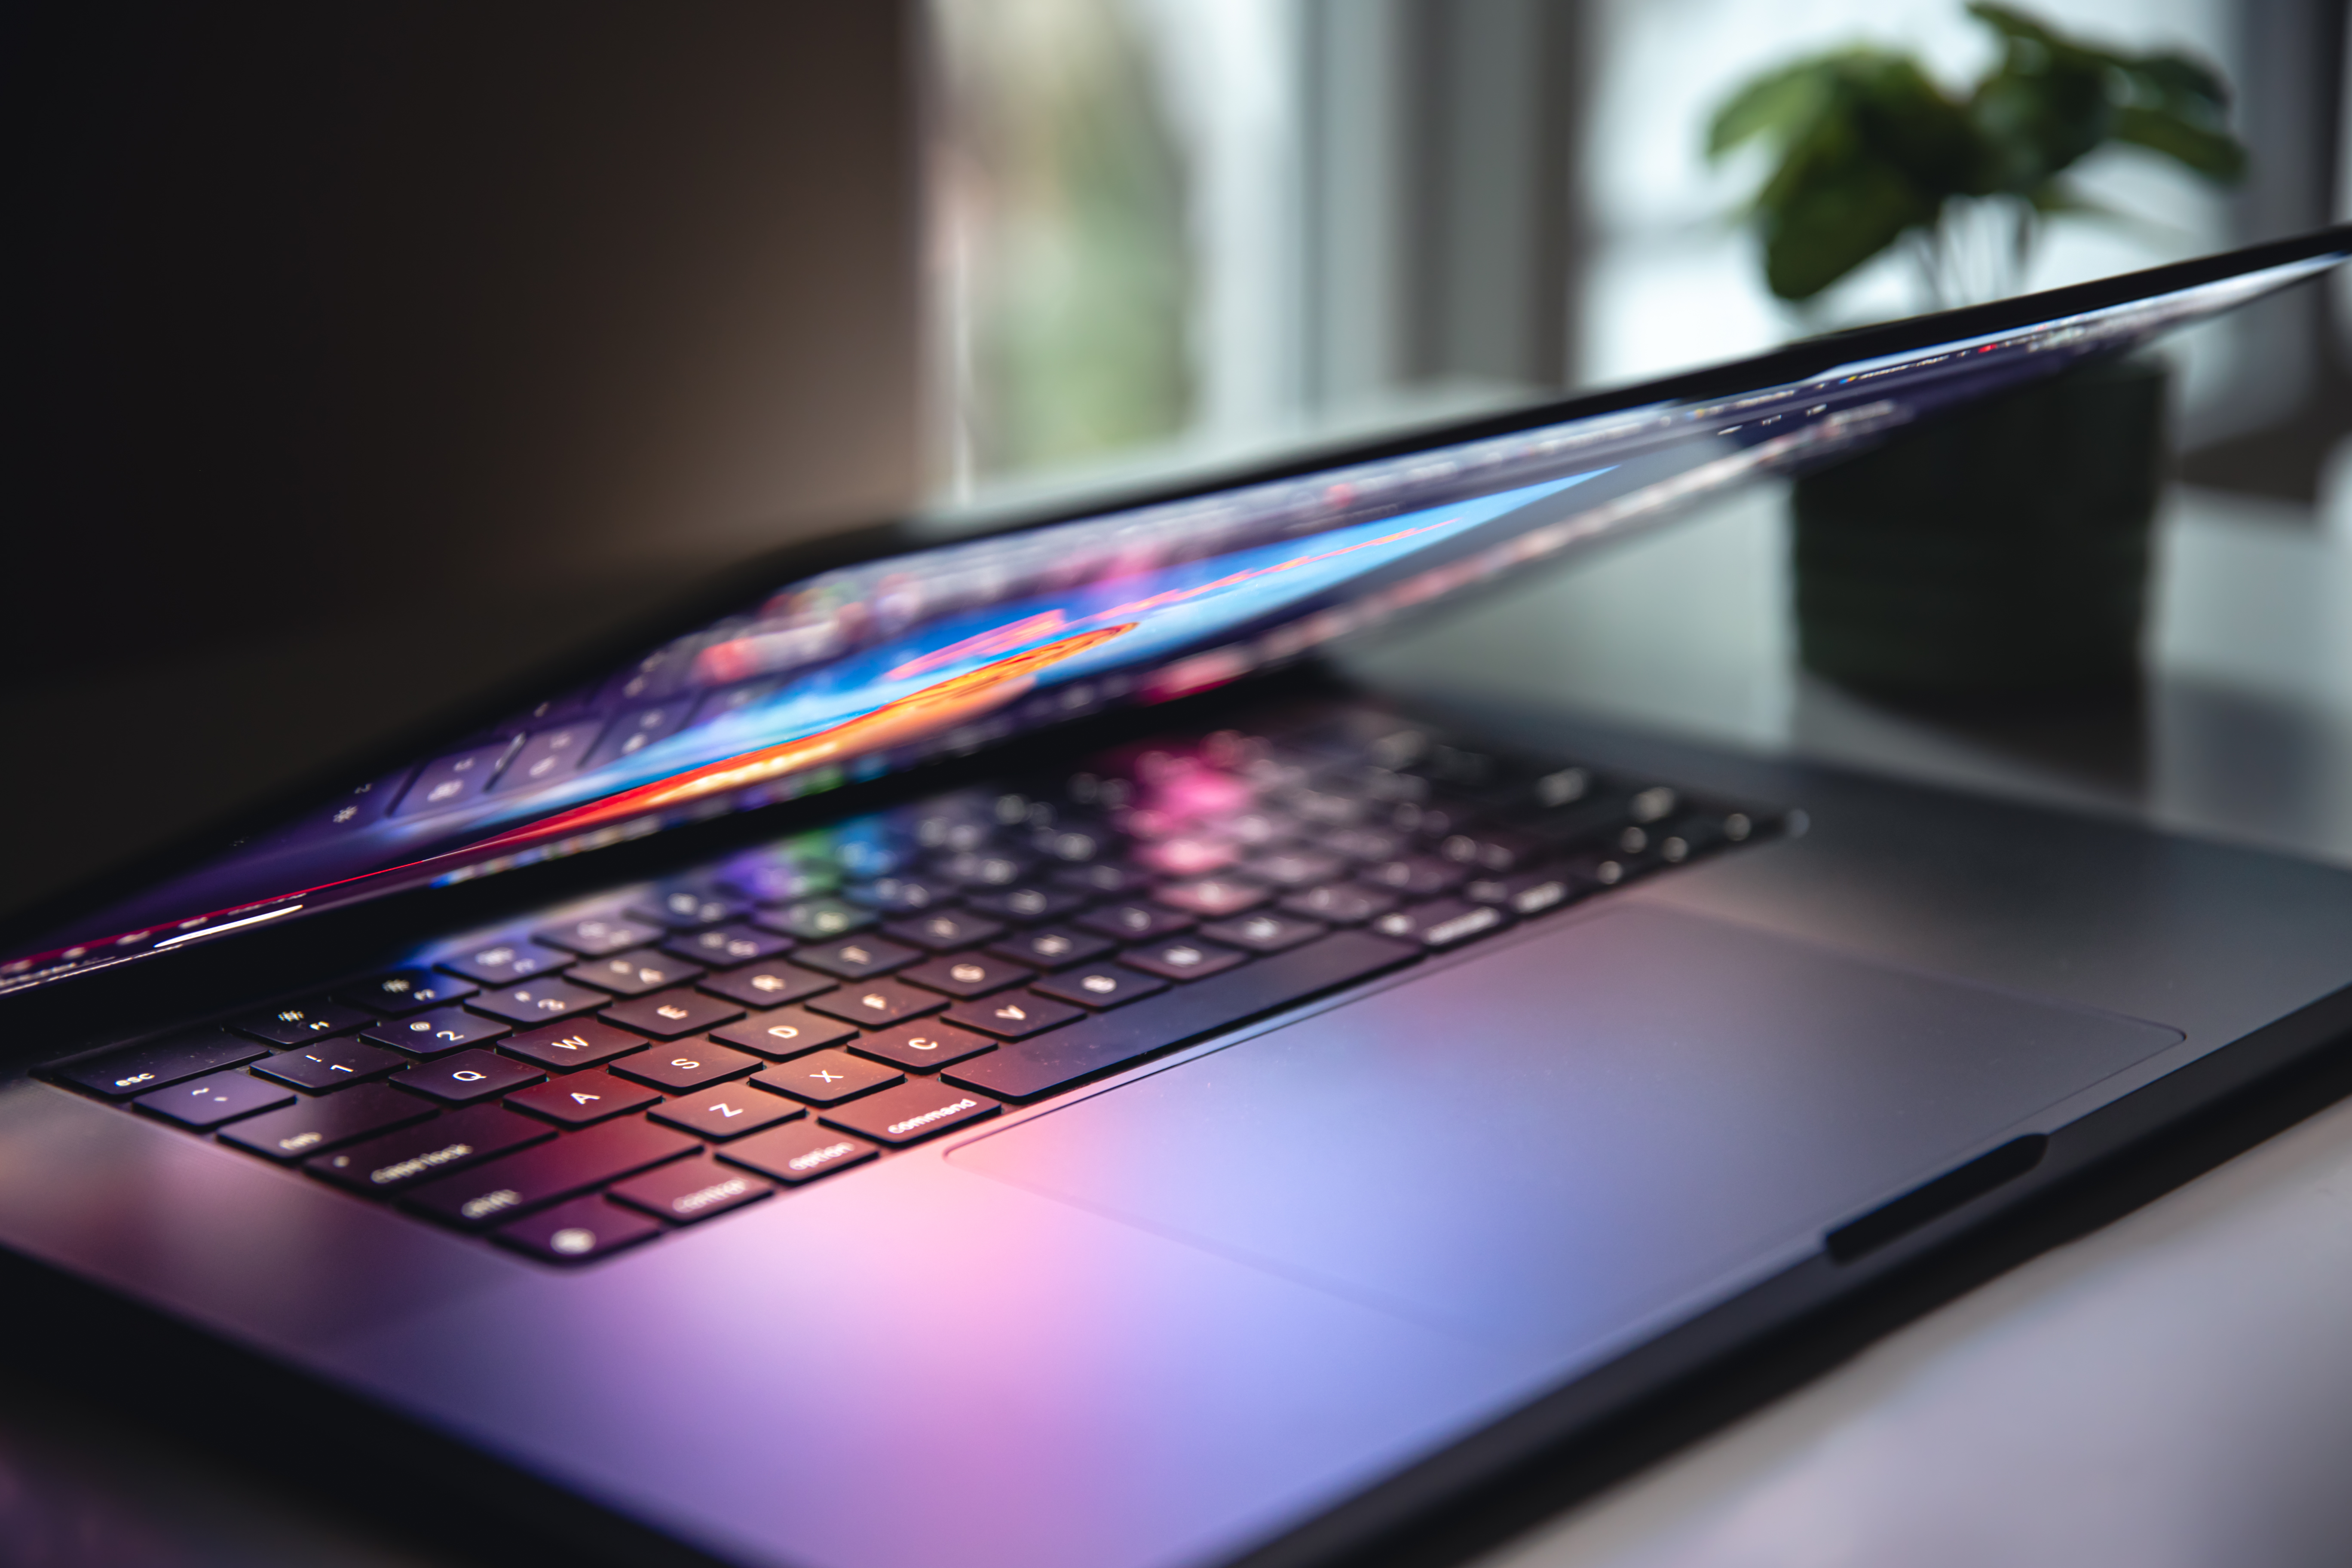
{"points": [[625, 1066]]}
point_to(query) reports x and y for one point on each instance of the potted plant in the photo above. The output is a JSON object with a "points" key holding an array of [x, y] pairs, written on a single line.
{"points": [[2003, 551]]}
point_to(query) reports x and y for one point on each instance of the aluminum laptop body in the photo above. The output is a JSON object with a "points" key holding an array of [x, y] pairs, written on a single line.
{"points": [[1055, 1077]]}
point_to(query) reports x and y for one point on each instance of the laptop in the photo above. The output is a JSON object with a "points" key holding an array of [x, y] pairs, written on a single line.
{"points": [[972, 1044]]}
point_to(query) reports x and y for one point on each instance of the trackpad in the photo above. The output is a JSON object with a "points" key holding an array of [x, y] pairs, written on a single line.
{"points": [[1554, 1141]]}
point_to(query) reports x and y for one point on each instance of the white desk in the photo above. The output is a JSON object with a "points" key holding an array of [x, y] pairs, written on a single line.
{"points": [[2175, 1390]]}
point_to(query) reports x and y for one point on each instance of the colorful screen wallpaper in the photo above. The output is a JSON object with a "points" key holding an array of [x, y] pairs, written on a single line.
{"points": [[856, 672]]}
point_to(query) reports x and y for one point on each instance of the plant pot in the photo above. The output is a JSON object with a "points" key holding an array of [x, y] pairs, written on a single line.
{"points": [[2001, 552]]}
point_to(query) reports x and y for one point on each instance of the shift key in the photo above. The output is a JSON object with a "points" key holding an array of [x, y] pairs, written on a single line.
{"points": [[488, 1193], [399, 1160]]}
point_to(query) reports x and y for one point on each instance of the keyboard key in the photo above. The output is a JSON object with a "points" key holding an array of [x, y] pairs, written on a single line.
{"points": [[1182, 959], [729, 1111], [769, 984], [297, 1021], [1013, 1017], [912, 1112], [1101, 985], [799, 1153], [1442, 922], [488, 1192], [944, 930], [562, 1047], [504, 962], [331, 1064], [407, 991], [1341, 904], [691, 1190], [1264, 933], [635, 974], [400, 1160], [858, 959], [578, 1232], [828, 1077], [816, 919], [469, 1076], [538, 1001], [680, 1069], [1030, 1067], [783, 1033], [582, 1097], [667, 1015], [877, 1002], [437, 1033], [209, 1101], [1135, 922], [135, 1070], [1214, 898], [725, 946], [967, 974], [1026, 903], [312, 1126], [597, 935], [684, 908], [922, 1047]]}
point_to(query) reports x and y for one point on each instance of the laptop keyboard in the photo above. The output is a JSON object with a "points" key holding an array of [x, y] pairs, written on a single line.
{"points": [[637, 1063]]}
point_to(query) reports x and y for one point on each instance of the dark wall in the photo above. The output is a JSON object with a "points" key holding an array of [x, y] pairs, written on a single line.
{"points": [[366, 351]]}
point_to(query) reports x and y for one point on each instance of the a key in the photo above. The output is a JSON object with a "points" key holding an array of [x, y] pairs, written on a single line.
{"points": [[801, 1152], [686, 1065], [1013, 1016], [1057, 948], [1264, 933], [405, 991], [565, 1047], [1341, 904], [816, 919], [1441, 923], [912, 1112], [827, 1078], [400, 1160], [944, 930], [1027, 1069], [209, 1101], [922, 1047], [331, 1064], [667, 1015], [689, 1190], [504, 963], [578, 1232], [599, 935], [314, 1126], [860, 958], [966, 975], [768, 984], [635, 974], [539, 1000], [1181, 959], [437, 1033], [1101, 985], [783, 1033], [487, 1193], [876, 1002], [297, 1021], [468, 1076], [1135, 922], [136, 1070], [726, 946], [582, 1097], [730, 1110]]}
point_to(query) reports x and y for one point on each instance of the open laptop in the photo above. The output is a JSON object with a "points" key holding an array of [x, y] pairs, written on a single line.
{"points": [[976, 1048]]}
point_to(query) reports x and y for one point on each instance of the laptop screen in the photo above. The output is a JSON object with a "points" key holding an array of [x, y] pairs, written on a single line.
{"points": [[946, 649]]}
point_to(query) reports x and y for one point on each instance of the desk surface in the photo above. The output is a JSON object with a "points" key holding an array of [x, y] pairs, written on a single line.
{"points": [[2175, 1390]]}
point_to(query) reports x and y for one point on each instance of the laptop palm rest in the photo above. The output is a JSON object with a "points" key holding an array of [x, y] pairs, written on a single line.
{"points": [[1552, 1141]]}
